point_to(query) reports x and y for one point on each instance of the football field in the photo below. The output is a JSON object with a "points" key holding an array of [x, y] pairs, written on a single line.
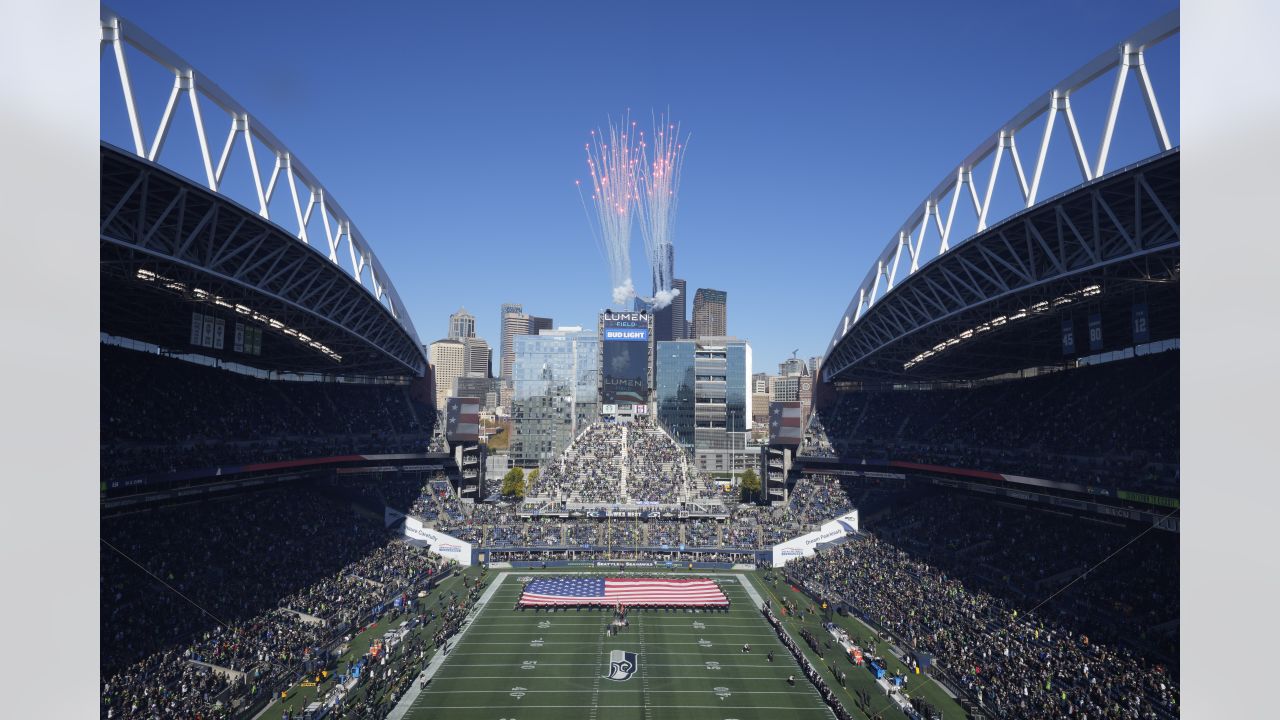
{"points": [[541, 665]]}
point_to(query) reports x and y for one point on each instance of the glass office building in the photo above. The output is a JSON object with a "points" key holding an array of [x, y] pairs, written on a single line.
{"points": [[704, 399], [555, 377]]}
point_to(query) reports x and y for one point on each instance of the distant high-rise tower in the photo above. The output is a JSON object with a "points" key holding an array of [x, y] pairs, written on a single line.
{"points": [[479, 361], [710, 310], [449, 360], [515, 322], [504, 342], [462, 324], [680, 311]]}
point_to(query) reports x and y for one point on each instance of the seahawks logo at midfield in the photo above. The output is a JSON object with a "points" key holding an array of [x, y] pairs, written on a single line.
{"points": [[622, 665]]}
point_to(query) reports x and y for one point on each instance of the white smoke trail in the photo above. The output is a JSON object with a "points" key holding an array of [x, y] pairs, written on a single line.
{"points": [[614, 158]]}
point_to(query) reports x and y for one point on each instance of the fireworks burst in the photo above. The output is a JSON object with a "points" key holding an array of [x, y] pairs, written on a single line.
{"points": [[614, 159]]}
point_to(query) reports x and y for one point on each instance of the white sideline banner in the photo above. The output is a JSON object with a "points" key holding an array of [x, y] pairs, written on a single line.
{"points": [[804, 545], [446, 546]]}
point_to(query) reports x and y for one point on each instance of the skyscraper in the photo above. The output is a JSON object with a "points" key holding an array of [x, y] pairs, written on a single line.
{"points": [[504, 342], [680, 311], [710, 311], [449, 360], [516, 322], [462, 324], [479, 358]]}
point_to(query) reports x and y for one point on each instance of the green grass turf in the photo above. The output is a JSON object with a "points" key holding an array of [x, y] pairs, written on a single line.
{"points": [[858, 677], [485, 675]]}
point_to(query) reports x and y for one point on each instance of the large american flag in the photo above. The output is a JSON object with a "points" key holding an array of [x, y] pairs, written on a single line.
{"points": [[673, 592]]}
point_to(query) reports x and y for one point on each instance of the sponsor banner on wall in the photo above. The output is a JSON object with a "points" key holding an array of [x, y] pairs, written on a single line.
{"points": [[804, 545], [446, 546]]}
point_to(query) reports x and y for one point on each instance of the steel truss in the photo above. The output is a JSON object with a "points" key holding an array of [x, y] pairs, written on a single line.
{"points": [[244, 129], [914, 244], [1122, 225], [153, 218]]}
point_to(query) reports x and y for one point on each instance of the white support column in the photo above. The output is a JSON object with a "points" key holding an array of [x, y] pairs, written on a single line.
{"points": [[1054, 98], [930, 210], [242, 123], [1113, 110], [1081, 157], [158, 144], [226, 153], [1017, 166], [991, 182], [188, 79], [328, 232], [875, 288], [1153, 107], [897, 255], [962, 176], [356, 267], [275, 175], [111, 34]]}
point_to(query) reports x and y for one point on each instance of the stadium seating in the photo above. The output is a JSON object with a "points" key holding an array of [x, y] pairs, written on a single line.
{"points": [[1114, 424], [246, 567], [160, 414]]}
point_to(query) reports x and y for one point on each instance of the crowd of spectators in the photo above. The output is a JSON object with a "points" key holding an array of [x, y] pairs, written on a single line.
{"points": [[1023, 555], [161, 414], [657, 467], [589, 470], [1113, 424], [611, 462], [818, 498], [1016, 663], [253, 584]]}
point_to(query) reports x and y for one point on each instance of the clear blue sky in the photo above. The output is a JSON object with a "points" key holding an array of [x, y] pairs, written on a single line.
{"points": [[453, 132]]}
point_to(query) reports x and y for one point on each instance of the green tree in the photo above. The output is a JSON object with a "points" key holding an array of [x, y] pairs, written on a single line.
{"points": [[513, 483], [749, 485]]}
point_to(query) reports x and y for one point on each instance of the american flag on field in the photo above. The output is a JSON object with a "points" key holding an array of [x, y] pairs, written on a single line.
{"points": [[608, 592]]}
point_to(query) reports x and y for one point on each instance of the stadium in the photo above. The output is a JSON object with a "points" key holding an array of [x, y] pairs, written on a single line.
{"points": [[979, 517]]}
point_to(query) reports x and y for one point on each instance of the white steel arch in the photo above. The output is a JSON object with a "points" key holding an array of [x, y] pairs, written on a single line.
{"points": [[287, 170], [959, 186]]}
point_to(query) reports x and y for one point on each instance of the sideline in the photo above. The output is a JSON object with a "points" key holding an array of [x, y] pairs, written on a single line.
{"points": [[433, 665]]}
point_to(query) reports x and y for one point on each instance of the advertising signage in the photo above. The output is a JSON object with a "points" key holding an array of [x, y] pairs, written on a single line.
{"points": [[624, 370]]}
